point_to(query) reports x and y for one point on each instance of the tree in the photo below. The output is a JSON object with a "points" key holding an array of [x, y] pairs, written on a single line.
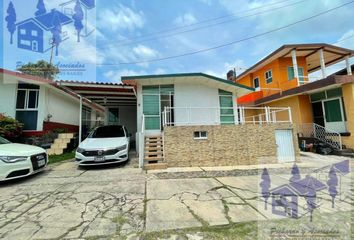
{"points": [[78, 17], [295, 172], [11, 20], [40, 8], [56, 32], [332, 184], [311, 199], [41, 69], [265, 185]]}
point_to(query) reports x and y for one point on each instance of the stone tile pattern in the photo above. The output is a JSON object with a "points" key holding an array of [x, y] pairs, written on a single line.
{"points": [[227, 145]]}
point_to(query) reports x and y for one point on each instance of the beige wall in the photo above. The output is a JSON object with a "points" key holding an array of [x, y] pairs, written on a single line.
{"points": [[348, 96], [301, 109], [227, 145]]}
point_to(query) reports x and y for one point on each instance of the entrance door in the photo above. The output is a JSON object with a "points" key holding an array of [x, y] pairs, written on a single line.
{"points": [[113, 116], [318, 116], [334, 116], [167, 101], [285, 146]]}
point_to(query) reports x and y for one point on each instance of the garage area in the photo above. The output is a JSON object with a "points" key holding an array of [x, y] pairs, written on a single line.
{"points": [[118, 103]]}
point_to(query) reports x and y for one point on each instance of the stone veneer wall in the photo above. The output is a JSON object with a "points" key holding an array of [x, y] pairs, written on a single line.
{"points": [[227, 145]]}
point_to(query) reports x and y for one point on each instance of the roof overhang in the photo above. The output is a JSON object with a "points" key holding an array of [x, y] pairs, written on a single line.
{"points": [[312, 87], [11, 77], [104, 94], [196, 78], [332, 55]]}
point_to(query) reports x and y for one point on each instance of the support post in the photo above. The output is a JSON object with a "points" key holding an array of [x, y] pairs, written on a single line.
{"points": [[295, 67], [266, 114], [349, 69], [322, 62], [235, 106], [80, 121], [290, 117]]}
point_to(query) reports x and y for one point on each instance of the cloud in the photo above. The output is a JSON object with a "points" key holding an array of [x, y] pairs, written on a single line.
{"points": [[115, 76], [186, 19], [220, 71], [144, 52], [121, 17], [347, 39]]}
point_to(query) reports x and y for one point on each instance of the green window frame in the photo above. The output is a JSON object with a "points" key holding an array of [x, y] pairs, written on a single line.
{"points": [[291, 74], [226, 107], [152, 104]]}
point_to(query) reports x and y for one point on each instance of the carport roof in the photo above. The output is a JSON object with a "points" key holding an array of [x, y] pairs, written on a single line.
{"points": [[104, 94]]}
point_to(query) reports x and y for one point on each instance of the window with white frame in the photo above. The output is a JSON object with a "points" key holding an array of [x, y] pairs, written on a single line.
{"points": [[27, 98], [27, 105], [199, 135], [34, 33], [269, 76], [23, 31]]}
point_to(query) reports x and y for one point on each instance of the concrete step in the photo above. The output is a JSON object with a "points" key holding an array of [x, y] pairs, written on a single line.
{"points": [[153, 148], [147, 144], [147, 153], [55, 151], [61, 141], [65, 135], [153, 166]]}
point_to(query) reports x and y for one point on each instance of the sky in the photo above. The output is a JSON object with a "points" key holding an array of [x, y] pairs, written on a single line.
{"points": [[130, 35]]}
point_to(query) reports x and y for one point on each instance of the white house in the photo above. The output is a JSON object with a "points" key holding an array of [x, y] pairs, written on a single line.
{"points": [[193, 119], [41, 104]]}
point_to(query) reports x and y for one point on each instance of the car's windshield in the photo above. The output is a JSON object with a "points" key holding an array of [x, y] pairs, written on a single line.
{"points": [[3, 141], [108, 132]]}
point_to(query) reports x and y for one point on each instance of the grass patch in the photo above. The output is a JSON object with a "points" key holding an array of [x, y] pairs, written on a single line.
{"points": [[235, 231], [60, 158]]}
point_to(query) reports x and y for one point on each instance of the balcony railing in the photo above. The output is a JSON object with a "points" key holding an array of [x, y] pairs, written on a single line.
{"points": [[184, 116]]}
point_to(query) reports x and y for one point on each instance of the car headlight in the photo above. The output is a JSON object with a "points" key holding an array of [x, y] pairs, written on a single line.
{"points": [[12, 159], [122, 147], [80, 150]]}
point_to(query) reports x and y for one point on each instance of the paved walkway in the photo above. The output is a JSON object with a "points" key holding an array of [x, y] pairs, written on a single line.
{"points": [[65, 202]]}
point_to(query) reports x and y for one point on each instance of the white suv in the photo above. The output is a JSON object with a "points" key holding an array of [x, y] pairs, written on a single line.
{"points": [[105, 145], [20, 160]]}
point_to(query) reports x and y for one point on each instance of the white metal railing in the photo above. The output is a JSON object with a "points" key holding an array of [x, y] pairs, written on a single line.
{"points": [[141, 142], [181, 116], [325, 135]]}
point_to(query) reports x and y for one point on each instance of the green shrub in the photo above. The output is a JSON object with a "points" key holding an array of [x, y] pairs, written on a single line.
{"points": [[10, 128], [60, 130]]}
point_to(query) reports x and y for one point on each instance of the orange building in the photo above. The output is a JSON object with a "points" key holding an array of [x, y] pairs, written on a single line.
{"points": [[322, 105]]}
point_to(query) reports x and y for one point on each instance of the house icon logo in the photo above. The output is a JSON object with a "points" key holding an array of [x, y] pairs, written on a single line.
{"points": [[38, 34], [47, 30], [302, 196]]}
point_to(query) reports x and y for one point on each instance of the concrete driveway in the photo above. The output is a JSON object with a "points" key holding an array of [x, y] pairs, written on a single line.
{"points": [[123, 202], [66, 202]]}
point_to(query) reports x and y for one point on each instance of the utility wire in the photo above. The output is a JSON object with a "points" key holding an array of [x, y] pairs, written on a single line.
{"points": [[205, 21], [240, 40], [192, 29], [210, 25]]}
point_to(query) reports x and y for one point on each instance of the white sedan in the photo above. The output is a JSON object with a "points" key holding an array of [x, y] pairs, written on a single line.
{"points": [[105, 145], [20, 160]]}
